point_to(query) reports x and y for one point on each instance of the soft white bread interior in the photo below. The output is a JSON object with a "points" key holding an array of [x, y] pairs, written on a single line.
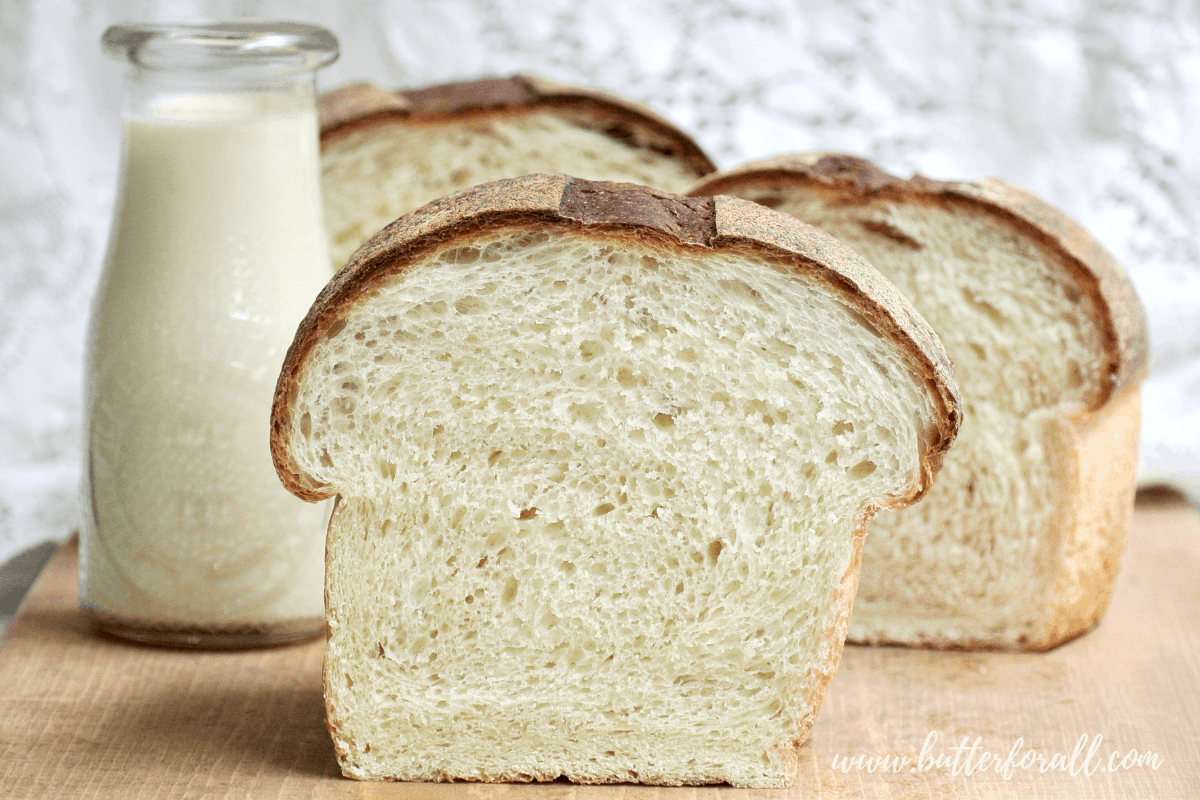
{"points": [[386, 153], [604, 459], [1016, 546]]}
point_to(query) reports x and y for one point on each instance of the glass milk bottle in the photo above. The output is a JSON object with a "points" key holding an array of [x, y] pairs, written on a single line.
{"points": [[216, 251]]}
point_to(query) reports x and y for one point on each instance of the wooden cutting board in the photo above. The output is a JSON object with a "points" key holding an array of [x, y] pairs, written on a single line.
{"points": [[86, 717]]}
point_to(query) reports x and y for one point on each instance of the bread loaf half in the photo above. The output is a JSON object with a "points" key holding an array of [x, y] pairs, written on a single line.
{"points": [[1017, 545], [384, 153], [604, 459]]}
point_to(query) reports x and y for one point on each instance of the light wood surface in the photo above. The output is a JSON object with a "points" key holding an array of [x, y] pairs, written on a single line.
{"points": [[86, 717]]}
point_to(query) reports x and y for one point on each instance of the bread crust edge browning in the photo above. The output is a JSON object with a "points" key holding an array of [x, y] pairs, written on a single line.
{"points": [[1103, 451], [360, 105]]}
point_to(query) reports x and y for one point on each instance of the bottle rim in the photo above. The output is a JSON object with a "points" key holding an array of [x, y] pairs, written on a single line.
{"points": [[234, 47]]}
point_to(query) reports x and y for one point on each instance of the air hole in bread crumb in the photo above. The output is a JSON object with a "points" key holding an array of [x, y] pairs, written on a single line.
{"points": [[590, 349], [603, 509], [714, 551], [664, 421], [842, 427], [832, 458], [738, 287], [528, 513], [510, 590], [495, 455], [989, 310], [584, 412], [461, 255], [862, 469], [470, 305], [306, 424]]}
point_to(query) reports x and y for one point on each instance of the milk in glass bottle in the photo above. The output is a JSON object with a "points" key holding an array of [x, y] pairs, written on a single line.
{"points": [[217, 250]]}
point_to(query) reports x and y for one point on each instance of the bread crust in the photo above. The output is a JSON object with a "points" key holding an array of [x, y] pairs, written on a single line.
{"points": [[361, 105], [622, 211], [1096, 444]]}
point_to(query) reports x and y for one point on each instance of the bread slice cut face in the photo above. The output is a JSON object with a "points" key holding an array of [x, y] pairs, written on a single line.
{"points": [[604, 457], [1017, 545], [384, 153]]}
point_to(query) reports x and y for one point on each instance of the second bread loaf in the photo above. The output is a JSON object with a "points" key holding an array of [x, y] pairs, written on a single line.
{"points": [[1017, 545], [384, 153]]}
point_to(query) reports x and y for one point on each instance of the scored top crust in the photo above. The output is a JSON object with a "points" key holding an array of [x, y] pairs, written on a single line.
{"points": [[620, 210], [1126, 332], [362, 105]]}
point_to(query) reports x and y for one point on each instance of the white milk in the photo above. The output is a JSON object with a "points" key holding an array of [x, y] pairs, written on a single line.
{"points": [[216, 253]]}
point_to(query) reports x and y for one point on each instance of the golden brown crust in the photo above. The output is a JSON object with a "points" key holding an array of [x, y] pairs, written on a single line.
{"points": [[1077, 601], [1124, 324], [618, 210], [362, 104], [1103, 452]]}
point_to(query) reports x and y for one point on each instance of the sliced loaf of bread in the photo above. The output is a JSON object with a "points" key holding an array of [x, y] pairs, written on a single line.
{"points": [[384, 153], [1017, 545], [604, 459]]}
